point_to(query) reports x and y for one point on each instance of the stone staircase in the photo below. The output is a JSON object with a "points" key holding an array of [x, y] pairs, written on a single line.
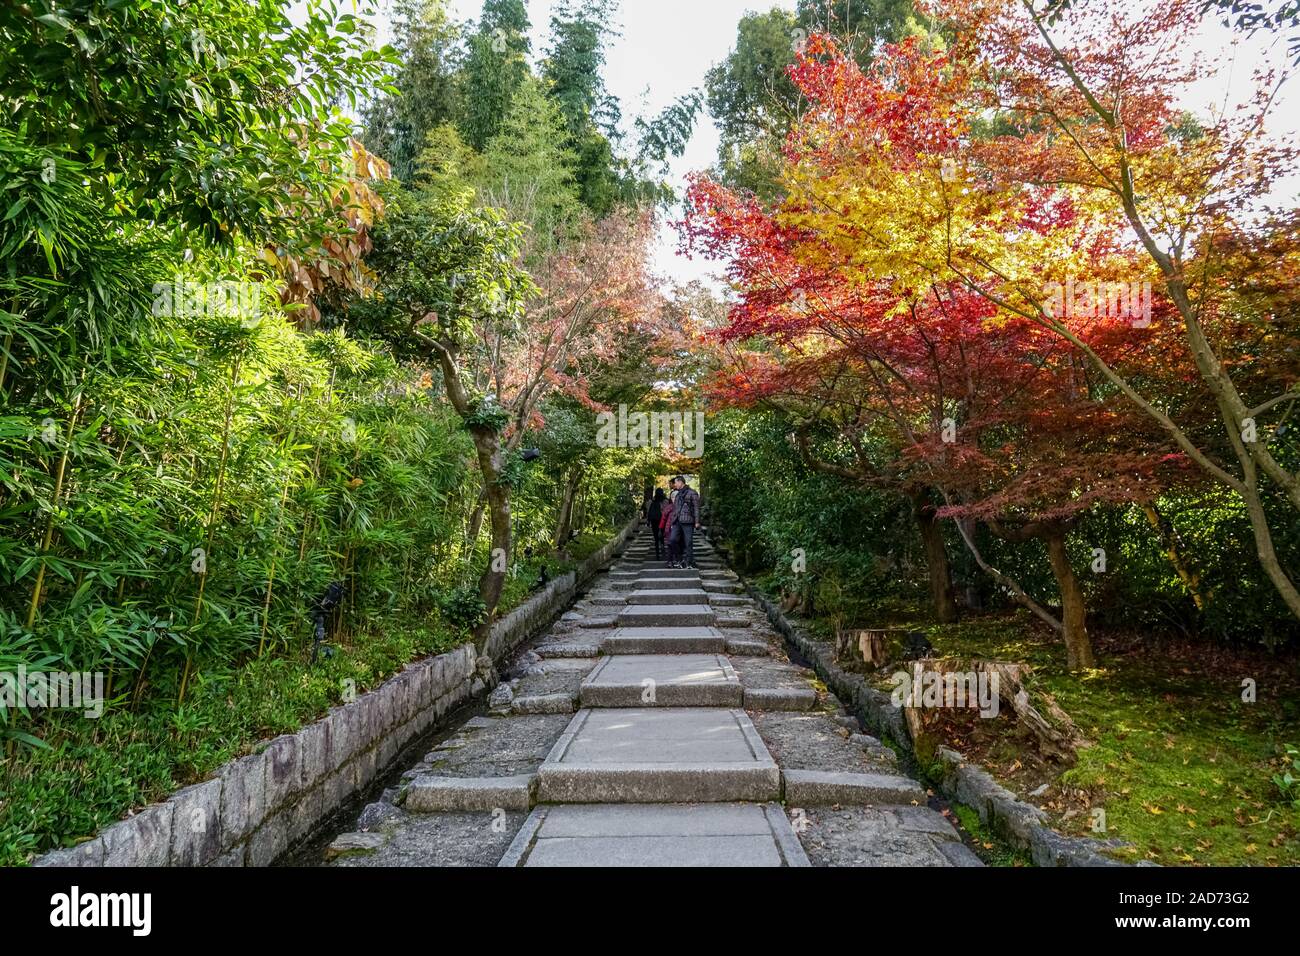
{"points": [[689, 729]]}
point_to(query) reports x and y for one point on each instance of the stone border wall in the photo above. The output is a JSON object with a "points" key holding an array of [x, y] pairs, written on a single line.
{"points": [[255, 808], [1021, 824]]}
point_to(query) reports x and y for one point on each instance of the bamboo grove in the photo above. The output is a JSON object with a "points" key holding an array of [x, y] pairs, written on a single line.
{"points": [[211, 407]]}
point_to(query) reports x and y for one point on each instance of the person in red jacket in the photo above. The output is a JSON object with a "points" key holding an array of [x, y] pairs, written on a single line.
{"points": [[668, 527]]}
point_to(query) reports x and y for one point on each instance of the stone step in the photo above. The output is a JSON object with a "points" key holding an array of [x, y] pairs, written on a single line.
{"points": [[664, 640], [666, 615], [659, 755], [811, 788], [673, 596], [729, 600], [544, 704], [721, 587], [428, 793], [649, 680], [747, 647], [561, 649], [656, 835], [689, 575], [780, 698], [656, 584]]}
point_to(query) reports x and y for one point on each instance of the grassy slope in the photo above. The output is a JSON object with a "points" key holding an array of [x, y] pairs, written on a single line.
{"points": [[96, 770], [1180, 764]]}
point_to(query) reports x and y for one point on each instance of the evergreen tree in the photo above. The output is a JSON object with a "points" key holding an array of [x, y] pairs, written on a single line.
{"points": [[495, 67], [580, 31], [395, 127], [860, 25], [527, 169], [752, 99]]}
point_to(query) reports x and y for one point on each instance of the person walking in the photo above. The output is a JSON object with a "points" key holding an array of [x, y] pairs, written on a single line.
{"points": [[686, 516], [668, 528], [654, 516]]}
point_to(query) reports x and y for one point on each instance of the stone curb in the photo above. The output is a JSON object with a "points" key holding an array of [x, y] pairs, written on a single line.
{"points": [[523, 841], [252, 810], [787, 843]]}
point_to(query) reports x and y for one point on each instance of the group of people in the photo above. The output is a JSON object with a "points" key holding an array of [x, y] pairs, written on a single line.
{"points": [[674, 518]]}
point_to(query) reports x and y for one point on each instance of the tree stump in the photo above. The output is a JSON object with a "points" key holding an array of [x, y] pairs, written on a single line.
{"points": [[1056, 734], [870, 648], [924, 743]]}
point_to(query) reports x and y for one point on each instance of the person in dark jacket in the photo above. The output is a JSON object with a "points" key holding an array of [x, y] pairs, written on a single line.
{"points": [[686, 517], [654, 515]]}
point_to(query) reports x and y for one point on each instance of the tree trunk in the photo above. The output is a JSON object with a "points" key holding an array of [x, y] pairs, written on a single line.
{"points": [[1078, 646], [580, 509], [476, 519], [1055, 732], [870, 646], [942, 597], [564, 524], [1174, 552], [1018, 594], [492, 463]]}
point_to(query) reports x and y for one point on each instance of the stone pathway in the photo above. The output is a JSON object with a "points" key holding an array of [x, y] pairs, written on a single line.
{"points": [[658, 723]]}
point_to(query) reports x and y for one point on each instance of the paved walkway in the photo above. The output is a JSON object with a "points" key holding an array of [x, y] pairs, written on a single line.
{"points": [[658, 723]]}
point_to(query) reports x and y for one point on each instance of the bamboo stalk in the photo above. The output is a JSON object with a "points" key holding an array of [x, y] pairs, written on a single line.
{"points": [[212, 518], [48, 540], [4, 359], [275, 554], [315, 474], [139, 680]]}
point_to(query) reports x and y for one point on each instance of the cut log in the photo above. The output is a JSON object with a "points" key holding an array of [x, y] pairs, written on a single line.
{"points": [[1057, 735]]}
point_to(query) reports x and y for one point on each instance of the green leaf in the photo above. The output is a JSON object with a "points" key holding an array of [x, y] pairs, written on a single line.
{"points": [[56, 22]]}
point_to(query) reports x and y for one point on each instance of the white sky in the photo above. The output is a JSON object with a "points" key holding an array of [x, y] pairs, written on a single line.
{"points": [[666, 46], [663, 52]]}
